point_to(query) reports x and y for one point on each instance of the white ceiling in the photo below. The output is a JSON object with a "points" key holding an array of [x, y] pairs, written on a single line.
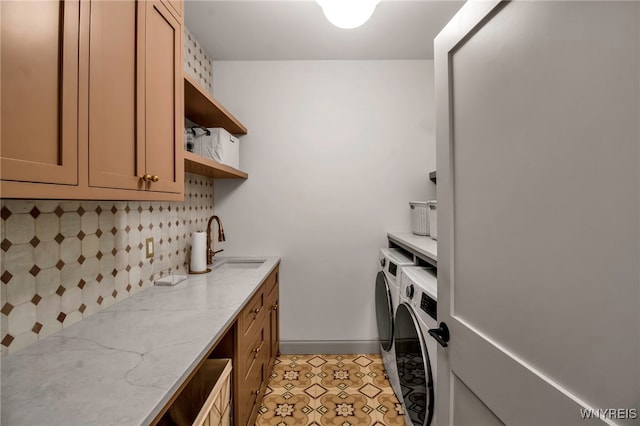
{"points": [[298, 30]]}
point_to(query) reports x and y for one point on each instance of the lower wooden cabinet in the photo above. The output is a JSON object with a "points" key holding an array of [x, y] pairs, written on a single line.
{"points": [[273, 312], [252, 343], [257, 346]]}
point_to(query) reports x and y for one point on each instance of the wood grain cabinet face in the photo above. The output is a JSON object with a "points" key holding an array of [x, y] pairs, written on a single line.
{"points": [[92, 99], [164, 99], [39, 136], [274, 323], [116, 95], [176, 6], [135, 92], [257, 346]]}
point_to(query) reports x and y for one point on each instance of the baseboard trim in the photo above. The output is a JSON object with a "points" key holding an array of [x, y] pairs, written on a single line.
{"points": [[329, 347]]}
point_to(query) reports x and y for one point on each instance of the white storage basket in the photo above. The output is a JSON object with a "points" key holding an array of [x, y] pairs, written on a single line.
{"points": [[229, 147], [433, 218], [419, 217]]}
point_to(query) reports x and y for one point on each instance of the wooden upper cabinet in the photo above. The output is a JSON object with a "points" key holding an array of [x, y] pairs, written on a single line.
{"points": [[164, 99], [116, 95], [92, 99], [176, 7], [39, 107], [135, 94]]}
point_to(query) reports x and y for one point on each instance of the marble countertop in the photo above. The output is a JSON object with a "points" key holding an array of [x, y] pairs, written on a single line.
{"points": [[121, 365], [424, 245]]}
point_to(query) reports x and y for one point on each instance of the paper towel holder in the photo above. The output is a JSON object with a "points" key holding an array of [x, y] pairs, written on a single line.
{"points": [[190, 272]]}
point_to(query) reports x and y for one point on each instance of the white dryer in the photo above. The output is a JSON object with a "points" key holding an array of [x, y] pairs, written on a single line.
{"points": [[415, 349], [387, 298]]}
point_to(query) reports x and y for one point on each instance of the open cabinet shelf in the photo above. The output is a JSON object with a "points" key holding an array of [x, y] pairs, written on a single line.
{"points": [[201, 108], [199, 165]]}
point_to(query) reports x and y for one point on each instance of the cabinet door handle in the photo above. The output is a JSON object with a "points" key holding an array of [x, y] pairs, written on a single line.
{"points": [[275, 307], [155, 178], [257, 351], [255, 392], [146, 178], [257, 311]]}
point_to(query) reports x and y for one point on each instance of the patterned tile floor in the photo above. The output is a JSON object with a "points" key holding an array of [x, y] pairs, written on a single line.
{"points": [[331, 390]]}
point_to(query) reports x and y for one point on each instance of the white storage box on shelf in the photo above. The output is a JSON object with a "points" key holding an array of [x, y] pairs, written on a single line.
{"points": [[229, 147], [433, 218], [419, 217], [219, 145], [205, 145]]}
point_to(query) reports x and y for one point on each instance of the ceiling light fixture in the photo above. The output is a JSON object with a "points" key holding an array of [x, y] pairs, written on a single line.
{"points": [[348, 14]]}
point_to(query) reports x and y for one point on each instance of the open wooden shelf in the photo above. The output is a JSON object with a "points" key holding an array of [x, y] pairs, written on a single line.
{"points": [[199, 165], [201, 108]]}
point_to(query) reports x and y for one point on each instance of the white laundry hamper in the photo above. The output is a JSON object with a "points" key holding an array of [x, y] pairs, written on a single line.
{"points": [[433, 218], [419, 217]]}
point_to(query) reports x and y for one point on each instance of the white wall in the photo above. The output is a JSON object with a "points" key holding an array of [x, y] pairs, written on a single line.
{"points": [[335, 151]]}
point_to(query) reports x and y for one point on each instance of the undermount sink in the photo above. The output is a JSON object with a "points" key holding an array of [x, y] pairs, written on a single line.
{"points": [[240, 264]]}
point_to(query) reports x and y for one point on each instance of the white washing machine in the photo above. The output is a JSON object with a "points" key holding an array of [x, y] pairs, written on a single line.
{"points": [[415, 349], [387, 298]]}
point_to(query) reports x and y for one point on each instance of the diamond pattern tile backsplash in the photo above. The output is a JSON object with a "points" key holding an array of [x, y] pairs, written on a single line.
{"points": [[63, 261], [197, 62]]}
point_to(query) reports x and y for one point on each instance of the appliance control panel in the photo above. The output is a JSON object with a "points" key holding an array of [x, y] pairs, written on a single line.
{"points": [[430, 306], [393, 268]]}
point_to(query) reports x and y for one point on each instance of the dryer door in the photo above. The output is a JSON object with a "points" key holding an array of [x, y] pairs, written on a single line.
{"points": [[414, 368], [384, 311]]}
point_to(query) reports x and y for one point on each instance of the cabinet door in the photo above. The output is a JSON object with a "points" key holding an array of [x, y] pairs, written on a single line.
{"points": [[274, 324], [164, 108], [176, 6], [39, 54], [116, 95]]}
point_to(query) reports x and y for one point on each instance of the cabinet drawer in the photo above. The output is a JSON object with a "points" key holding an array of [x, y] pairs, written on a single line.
{"points": [[252, 353], [249, 392], [251, 316], [270, 283], [272, 298]]}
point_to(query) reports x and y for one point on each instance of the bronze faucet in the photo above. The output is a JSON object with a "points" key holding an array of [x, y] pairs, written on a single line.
{"points": [[210, 251]]}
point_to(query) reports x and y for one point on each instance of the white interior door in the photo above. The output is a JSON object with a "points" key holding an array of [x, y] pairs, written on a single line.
{"points": [[538, 192]]}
